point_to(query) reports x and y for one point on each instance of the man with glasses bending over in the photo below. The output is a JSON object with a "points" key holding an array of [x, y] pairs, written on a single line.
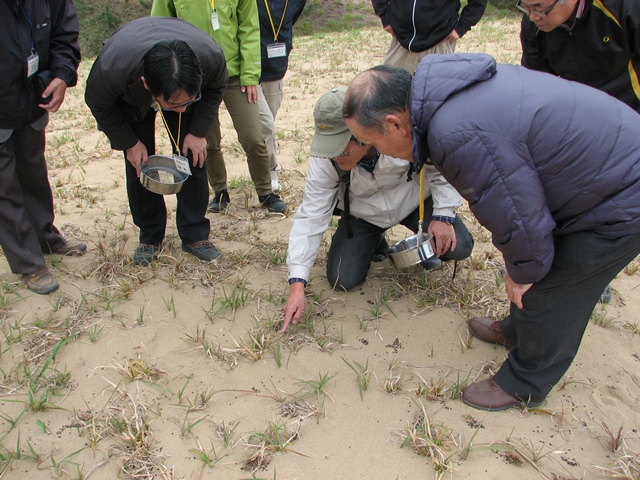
{"points": [[591, 42], [168, 67], [372, 193]]}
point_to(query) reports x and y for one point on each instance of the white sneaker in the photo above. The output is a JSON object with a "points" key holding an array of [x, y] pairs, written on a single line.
{"points": [[275, 184]]}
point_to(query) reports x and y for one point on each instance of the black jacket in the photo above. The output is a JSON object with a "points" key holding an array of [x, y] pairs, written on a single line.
{"points": [[275, 68], [601, 50], [55, 32], [421, 24], [115, 93]]}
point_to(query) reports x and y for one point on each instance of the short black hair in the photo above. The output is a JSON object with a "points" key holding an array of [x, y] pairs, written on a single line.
{"points": [[171, 65], [387, 90]]}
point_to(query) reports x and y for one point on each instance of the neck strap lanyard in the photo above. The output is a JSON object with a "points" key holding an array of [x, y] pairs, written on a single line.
{"points": [[176, 141], [273, 28]]}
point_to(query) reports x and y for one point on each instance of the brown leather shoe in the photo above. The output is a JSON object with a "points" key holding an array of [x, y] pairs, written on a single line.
{"points": [[71, 249], [487, 395], [488, 331], [41, 282]]}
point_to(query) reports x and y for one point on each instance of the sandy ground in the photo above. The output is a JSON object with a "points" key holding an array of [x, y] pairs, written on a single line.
{"points": [[176, 370]]}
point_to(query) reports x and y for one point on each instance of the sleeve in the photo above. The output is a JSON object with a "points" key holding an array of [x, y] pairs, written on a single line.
{"points": [[313, 217], [214, 83], [249, 41], [506, 196], [446, 199], [531, 56], [163, 8], [102, 99], [64, 50], [470, 16], [380, 7], [298, 12]]}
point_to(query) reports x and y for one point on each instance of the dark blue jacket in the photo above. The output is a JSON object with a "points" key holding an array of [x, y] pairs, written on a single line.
{"points": [[535, 156], [275, 68]]}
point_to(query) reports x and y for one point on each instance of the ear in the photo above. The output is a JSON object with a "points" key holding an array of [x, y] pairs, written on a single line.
{"points": [[398, 123], [144, 83]]}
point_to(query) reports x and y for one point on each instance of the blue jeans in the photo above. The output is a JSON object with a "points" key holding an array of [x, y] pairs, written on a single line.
{"points": [[349, 258]]}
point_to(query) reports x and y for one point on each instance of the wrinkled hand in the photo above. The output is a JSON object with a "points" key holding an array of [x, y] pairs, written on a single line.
{"points": [[295, 305], [443, 237], [252, 93], [389, 30], [137, 155], [515, 291], [453, 36], [57, 89], [198, 147]]}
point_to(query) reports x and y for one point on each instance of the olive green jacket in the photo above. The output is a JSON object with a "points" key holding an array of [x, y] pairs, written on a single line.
{"points": [[238, 35]]}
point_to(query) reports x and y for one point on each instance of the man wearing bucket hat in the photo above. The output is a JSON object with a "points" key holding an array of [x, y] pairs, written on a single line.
{"points": [[373, 193], [168, 67], [557, 189]]}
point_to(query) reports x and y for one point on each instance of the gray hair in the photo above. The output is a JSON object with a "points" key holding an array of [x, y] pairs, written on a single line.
{"points": [[376, 93]]}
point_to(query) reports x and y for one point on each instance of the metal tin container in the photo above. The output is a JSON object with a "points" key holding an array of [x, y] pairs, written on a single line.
{"points": [[159, 175], [406, 253]]}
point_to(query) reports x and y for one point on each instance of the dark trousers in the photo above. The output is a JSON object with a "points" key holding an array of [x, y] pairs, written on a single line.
{"points": [[148, 209], [547, 332], [349, 258], [26, 202]]}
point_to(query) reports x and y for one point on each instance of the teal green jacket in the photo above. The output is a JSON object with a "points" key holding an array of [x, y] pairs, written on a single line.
{"points": [[238, 35]]}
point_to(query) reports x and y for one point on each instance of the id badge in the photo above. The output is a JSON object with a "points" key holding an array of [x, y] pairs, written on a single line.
{"points": [[33, 62], [215, 23], [182, 164], [276, 50]]}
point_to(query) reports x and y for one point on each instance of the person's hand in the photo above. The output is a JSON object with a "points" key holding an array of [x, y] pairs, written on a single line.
{"points": [[389, 30], [57, 89], [252, 93], [198, 147], [453, 36], [443, 237], [295, 305], [515, 291], [137, 155]]}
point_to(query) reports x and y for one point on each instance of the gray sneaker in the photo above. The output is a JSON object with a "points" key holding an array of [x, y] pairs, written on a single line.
{"points": [[41, 282], [145, 254], [273, 203], [203, 250]]}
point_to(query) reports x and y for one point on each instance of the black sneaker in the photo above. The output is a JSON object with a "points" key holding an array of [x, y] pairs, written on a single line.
{"points": [[145, 254], [203, 250], [380, 253], [219, 202], [273, 203]]}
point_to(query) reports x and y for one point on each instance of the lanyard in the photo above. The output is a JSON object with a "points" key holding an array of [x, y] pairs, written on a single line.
{"points": [[273, 28], [166, 125], [213, 5], [29, 22]]}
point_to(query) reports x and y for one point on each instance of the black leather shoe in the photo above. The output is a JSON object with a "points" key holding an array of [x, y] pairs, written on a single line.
{"points": [[219, 202], [487, 395], [488, 331], [273, 203]]}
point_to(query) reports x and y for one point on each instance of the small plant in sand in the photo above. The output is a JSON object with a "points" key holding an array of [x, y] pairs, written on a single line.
{"points": [[430, 439], [612, 441], [363, 374], [393, 381], [275, 438], [209, 458], [138, 369], [317, 387], [599, 317]]}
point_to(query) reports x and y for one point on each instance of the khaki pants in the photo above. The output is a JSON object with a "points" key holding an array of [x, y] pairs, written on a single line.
{"points": [[246, 121], [270, 96], [398, 56]]}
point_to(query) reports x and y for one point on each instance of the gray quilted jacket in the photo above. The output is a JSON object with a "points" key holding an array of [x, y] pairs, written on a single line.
{"points": [[535, 156]]}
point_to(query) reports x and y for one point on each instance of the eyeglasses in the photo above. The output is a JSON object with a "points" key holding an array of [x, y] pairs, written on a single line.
{"points": [[180, 105], [358, 143], [520, 5]]}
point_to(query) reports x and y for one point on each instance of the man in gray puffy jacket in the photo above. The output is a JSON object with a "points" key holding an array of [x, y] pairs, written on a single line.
{"points": [[557, 189]]}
